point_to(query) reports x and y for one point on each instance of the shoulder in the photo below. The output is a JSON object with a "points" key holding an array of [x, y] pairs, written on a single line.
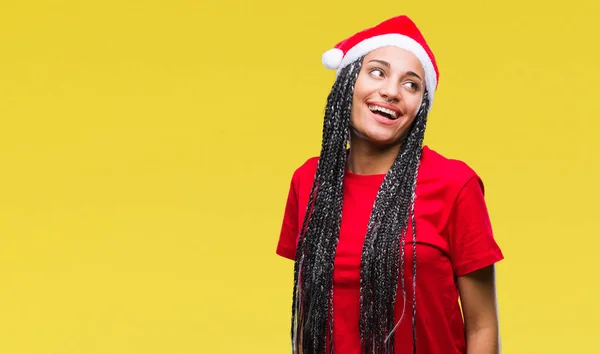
{"points": [[306, 170], [452, 172]]}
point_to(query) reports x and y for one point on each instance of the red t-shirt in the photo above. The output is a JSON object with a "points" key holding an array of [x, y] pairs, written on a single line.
{"points": [[454, 237]]}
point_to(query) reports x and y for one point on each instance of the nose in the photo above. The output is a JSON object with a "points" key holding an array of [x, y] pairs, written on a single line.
{"points": [[389, 91]]}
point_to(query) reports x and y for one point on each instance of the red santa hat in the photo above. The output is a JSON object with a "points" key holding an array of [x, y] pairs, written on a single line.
{"points": [[398, 31]]}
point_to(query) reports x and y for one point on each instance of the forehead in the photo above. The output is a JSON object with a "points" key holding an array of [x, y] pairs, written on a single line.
{"points": [[398, 58]]}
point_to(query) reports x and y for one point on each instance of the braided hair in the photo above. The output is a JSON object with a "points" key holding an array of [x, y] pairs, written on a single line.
{"points": [[382, 261]]}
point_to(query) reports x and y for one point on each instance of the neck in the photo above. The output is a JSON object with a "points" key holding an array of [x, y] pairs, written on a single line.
{"points": [[365, 158]]}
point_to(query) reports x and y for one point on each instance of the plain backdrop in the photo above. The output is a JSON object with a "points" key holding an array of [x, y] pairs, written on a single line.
{"points": [[146, 150]]}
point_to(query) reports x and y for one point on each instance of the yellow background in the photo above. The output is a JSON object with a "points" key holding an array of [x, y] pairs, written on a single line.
{"points": [[146, 149]]}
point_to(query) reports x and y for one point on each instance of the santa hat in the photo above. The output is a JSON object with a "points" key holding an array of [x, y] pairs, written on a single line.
{"points": [[399, 32]]}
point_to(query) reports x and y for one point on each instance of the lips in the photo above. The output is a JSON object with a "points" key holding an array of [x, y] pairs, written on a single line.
{"points": [[384, 110]]}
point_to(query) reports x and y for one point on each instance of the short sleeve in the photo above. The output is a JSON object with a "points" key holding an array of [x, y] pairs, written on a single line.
{"points": [[472, 243], [286, 247]]}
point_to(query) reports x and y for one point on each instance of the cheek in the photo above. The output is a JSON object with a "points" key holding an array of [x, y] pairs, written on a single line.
{"points": [[360, 95], [415, 104], [355, 111], [356, 104], [355, 97], [361, 88]]}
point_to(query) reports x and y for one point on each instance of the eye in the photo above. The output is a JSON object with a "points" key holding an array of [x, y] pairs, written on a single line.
{"points": [[376, 72], [412, 85]]}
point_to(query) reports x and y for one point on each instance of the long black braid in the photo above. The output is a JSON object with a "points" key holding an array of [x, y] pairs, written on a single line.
{"points": [[383, 250]]}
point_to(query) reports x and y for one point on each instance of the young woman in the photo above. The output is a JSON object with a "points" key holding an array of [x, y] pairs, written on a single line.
{"points": [[392, 242]]}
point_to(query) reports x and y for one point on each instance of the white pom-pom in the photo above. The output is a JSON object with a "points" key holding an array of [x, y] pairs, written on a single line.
{"points": [[332, 58]]}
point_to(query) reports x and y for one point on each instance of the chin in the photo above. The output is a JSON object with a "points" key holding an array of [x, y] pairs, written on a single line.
{"points": [[378, 134], [379, 138], [384, 142]]}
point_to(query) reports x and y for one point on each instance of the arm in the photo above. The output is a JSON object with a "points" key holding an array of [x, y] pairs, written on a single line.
{"points": [[479, 304], [474, 253]]}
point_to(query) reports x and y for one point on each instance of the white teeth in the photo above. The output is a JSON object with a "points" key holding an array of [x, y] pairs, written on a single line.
{"points": [[374, 108]]}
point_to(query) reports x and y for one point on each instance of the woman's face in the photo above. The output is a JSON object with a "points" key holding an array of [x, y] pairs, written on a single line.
{"points": [[387, 95]]}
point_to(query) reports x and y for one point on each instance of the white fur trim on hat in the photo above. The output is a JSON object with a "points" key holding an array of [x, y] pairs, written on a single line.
{"points": [[332, 58]]}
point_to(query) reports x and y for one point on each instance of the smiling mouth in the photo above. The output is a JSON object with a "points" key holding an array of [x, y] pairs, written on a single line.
{"points": [[385, 112]]}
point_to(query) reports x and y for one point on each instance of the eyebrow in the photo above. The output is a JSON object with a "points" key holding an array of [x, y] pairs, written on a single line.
{"points": [[385, 63]]}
